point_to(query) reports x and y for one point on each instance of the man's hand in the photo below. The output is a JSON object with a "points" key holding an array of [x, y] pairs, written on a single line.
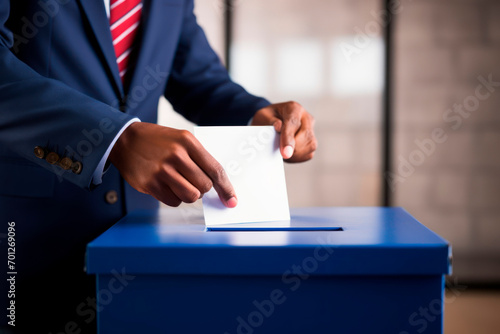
{"points": [[170, 165], [295, 125]]}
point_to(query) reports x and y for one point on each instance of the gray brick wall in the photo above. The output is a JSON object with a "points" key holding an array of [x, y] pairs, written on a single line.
{"points": [[441, 47]]}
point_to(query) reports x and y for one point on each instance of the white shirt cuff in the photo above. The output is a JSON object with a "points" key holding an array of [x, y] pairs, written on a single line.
{"points": [[99, 171]]}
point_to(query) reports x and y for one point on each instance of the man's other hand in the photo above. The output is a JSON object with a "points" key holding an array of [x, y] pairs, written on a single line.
{"points": [[295, 126], [169, 164]]}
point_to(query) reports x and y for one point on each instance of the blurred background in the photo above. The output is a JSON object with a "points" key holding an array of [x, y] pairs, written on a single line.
{"points": [[400, 119]]}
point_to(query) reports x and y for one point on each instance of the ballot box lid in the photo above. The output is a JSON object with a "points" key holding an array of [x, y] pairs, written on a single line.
{"points": [[322, 241]]}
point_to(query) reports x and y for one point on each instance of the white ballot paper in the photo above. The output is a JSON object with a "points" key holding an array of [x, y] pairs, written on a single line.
{"points": [[251, 158]]}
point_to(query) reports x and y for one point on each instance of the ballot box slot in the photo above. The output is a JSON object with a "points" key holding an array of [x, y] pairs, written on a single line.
{"points": [[274, 229]]}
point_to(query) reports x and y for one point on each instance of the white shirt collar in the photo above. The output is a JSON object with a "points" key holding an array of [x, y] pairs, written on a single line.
{"points": [[106, 5]]}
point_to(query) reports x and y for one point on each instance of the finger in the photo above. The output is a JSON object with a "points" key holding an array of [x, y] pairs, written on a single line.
{"points": [[178, 184], [291, 125], [265, 116], [305, 141], [214, 170], [164, 195], [277, 125], [197, 177], [304, 149]]}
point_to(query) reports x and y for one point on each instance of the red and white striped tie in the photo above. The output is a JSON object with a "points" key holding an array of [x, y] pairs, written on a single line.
{"points": [[124, 19]]}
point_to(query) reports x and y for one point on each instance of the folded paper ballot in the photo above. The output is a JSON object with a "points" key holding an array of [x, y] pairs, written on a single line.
{"points": [[251, 158]]}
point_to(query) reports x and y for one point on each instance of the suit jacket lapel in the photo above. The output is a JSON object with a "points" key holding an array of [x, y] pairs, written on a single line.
{"points": [[159, 29], [96, 15]]}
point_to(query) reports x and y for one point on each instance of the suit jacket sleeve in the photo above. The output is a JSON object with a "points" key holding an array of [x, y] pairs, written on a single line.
{"points": [[199, 86], [37, 111]]}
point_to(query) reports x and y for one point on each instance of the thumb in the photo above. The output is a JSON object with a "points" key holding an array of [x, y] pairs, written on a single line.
{"points": [[287, 140], [287, 144]]}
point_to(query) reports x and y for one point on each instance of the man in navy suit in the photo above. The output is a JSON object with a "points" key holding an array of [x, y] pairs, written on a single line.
{"points": [[80, 147]]}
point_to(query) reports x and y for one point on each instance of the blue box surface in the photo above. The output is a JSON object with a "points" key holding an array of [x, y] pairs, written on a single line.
{"points": [[342, 270]]}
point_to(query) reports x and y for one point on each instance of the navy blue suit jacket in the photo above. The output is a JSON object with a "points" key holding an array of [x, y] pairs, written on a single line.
{"points": [[60, 89]]}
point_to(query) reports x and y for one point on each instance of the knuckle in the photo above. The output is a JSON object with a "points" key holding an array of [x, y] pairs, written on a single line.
{"points": [[186, 137], [218, 174], [164, 172], [311, 118], [175, 154], [313, 142], [294, 121], [294, 104], [192, 196], [185, 134], [313, 145], [206, 187]]}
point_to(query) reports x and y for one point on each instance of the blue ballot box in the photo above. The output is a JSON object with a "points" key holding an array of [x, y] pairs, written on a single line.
{"points": [[333, 270]]}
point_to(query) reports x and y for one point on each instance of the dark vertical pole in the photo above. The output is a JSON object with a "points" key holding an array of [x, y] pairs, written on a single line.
{"points": [[387, 107], [228, 30]]}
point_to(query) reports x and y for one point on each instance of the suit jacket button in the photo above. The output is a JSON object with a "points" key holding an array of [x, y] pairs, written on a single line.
{"points": [[39, 152], [77, 167], [111, 197], [52, 158], [66, 163]]}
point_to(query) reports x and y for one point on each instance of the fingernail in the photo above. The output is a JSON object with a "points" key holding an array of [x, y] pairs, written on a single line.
{"points": [[232, 202], [288, 152]]}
